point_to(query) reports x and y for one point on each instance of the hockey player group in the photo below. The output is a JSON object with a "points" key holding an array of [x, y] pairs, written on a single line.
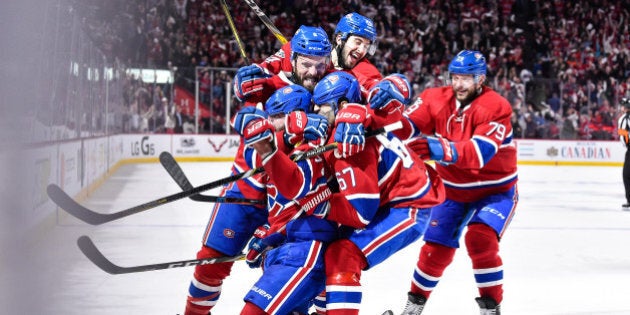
{"points": [[330, 217]]}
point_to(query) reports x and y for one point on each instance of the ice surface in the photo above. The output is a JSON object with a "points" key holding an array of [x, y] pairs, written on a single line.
{"points": [[566, 252]]}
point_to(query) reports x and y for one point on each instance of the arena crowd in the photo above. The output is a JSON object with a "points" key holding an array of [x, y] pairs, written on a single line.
{"points": [[563, 65]]}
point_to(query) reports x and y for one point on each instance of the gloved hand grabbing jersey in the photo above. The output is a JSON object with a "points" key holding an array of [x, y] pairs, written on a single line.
{"points": [[315, 202], [252, 124], [434, 148], [260, 243], [249, 80], [299, 126], [349, 130], [391, 94]]}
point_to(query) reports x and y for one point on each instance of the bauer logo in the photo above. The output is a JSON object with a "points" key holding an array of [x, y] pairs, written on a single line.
{"points": [[350, 116], [262, 292]]}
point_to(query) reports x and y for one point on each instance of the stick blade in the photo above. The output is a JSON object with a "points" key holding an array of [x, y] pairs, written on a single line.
{"points": [[177, 174], [95, 256], [172, 167], [65, 202]]}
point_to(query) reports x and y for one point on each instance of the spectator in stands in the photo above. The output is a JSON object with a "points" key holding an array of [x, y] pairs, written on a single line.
{"points": [[530, 126], [517, 129], [569, 42]]}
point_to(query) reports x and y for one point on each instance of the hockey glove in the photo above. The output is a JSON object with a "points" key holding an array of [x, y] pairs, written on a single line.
{"points": [[249, 80], [252, 124], [349, 131], [434, 148], [257, 247], [392, 93], [301, 126]]}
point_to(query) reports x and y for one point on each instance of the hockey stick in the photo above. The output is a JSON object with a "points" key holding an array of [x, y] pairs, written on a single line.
{"points": [[176, 172], [263, 17], [233, 28], [93, 254], [63, 200]]}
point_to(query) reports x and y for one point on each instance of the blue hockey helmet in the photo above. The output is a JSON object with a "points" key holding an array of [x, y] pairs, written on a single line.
{"points": [[335, 87], [287, 99], [310, 41], [356, 24], [468, 62]]}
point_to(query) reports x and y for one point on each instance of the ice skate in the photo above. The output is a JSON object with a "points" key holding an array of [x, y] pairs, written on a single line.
{"points": [[415, 304], [487, 306]]}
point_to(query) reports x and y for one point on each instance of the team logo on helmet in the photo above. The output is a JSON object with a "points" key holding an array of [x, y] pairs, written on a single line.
{"points": [[460, 59], [333, 79], [287, 90]]}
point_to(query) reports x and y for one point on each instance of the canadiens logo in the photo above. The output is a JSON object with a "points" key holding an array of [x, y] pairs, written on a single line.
{"points": [[277, 57], [228, 233], [434, 223], [333, 79], [217, 148]]}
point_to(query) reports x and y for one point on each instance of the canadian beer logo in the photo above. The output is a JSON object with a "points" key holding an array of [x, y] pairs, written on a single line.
{"points": [[552, 151]]}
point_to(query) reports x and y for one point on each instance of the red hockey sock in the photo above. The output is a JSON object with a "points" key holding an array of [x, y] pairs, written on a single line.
{"points": [[344, 262], [206, 285], [344, 256], [432, 261], [483, 248]]}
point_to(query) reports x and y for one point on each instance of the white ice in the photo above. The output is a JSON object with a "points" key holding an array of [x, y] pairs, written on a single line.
{"points": [[565, 252]]}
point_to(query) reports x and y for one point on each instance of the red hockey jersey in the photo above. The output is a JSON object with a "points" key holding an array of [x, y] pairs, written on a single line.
{"points": [[482, 133], [384, 175]]}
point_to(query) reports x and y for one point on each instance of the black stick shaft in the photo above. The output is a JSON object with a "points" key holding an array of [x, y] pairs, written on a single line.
{"points": [[175, 171], [94, 254]]}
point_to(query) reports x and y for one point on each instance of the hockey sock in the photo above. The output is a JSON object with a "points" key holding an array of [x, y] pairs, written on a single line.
{"points": [[344, 262], [320, 303], [432, 261], [483, 248], [205, 287]]}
